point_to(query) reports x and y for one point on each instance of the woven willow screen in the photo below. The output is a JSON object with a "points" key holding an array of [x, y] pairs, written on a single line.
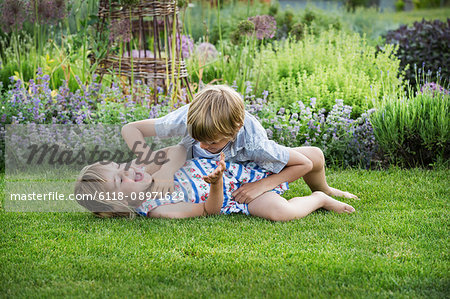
{"points": [[142, 45]]}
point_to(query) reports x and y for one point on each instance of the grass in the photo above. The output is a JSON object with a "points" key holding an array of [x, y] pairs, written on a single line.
{"points": [[395, 245]]}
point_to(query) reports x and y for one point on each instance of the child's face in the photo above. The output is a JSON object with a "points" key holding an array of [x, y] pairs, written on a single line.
{"points": [[128, 182], [215, 146]]}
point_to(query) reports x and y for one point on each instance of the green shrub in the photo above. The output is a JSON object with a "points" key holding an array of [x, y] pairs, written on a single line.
{"points": [[400, 5], [415, 131], [421, 4], [335, 65], [424, 45]]}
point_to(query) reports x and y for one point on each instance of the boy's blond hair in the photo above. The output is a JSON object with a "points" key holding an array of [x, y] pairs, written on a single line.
{"points": [[91, 182], [217, 111]]}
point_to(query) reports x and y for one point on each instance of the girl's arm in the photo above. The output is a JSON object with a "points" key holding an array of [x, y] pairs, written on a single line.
{"points": [[215, 199], [212, 205]]}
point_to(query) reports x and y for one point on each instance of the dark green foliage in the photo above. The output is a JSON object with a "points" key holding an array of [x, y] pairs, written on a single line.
{"points": [[353, 4], [284, 23], [415, 131], [273, 9], [424, 45], [421, 4], [308, 17], [400, 5], [297, 31]]}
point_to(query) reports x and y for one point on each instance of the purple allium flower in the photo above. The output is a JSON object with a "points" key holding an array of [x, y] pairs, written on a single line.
{"points": [[265, 26], [120, 30], [206, 52], [187, 45], [47, 11], [60, 9], [13, 14]]}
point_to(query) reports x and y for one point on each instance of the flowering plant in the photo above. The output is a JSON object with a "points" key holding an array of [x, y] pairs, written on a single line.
{"points": [[344, 140], [92, 103]]}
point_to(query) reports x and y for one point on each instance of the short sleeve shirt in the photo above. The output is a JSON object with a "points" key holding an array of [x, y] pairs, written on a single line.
{"points": [[251, 143]]}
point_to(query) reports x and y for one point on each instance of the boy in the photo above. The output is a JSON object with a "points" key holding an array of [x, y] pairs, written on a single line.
{"points": [[215, 122]]}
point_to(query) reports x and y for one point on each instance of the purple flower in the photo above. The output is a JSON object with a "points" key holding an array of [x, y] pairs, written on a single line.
{"points": [[13, 14], [248, 88], [187, 45], [206, 52], [47, 11], [265, 26], [433, 88], [120, 30]]}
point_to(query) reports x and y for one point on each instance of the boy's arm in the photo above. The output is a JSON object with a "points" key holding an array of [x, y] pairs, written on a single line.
{"points": [[170, 125], [134, 133], [297, 166], [163, 178]]}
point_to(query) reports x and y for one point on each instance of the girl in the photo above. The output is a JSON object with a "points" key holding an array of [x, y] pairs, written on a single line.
{"points": [[202, 187]]}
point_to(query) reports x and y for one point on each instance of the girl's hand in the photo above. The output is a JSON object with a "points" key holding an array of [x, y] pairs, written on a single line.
{"points": [[217, 174], [162, 182]]}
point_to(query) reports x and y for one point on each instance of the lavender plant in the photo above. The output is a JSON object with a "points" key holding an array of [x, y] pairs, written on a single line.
{"points": [[414, 130], [90, 104]]}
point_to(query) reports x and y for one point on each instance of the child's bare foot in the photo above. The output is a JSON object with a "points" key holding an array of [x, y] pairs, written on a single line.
{"points": [[334, 205], [214, 176], [338, 193]]}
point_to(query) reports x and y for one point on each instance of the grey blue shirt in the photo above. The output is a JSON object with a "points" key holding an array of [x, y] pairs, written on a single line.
{"points": [[251, 143]]}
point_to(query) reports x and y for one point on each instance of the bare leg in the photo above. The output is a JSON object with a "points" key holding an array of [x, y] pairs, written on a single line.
{"points": [[274, 207], [315, 179], [178, 210]]}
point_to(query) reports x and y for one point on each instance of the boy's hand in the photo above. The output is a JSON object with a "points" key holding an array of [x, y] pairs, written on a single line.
{"points": [[248, 192], [162, 182], [214, 176]]}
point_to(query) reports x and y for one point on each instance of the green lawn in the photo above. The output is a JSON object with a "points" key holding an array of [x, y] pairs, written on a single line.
{"points": [[395, 245]]}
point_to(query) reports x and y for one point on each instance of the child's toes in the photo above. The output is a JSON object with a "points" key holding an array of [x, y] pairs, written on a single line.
{"points": [[349, 209]]}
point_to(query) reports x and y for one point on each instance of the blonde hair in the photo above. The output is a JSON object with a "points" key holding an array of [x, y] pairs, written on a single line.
{"points": [[216, 111], [91, 182]]}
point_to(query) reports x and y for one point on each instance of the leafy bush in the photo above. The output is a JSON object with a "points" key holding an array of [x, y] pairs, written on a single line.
{"points": [[424, 45], [420, 4], [335, 65], [416, 130], [344, 141]]}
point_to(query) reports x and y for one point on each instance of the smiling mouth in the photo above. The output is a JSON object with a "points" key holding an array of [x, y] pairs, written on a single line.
{"points": [[138, 177]]}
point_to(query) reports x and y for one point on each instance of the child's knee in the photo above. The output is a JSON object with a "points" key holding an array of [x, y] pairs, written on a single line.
{"points": [[317, 158]]}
